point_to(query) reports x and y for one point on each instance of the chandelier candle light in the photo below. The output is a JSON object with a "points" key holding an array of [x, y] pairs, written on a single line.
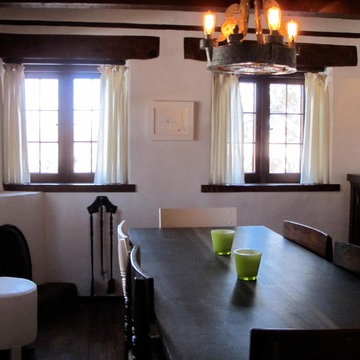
{"points": [[231, 53]]}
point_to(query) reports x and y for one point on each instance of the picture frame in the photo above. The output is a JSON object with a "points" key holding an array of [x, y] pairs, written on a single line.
{"points": [[171, 120]]}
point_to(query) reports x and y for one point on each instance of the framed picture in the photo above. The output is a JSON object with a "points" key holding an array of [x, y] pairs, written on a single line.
{"points": [[171, 120]]}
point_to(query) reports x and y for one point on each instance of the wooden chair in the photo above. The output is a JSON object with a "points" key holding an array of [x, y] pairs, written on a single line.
{"points": [[197, 217], [123, 230], [146, 343], [124, 247], [310, 238], [299, 344], [347, 256], [127, 311]]}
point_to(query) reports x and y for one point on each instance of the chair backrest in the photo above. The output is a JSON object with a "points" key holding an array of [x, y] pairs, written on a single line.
{"points": [[347, 256], [124, 247], [197, 217], [123, 230], [310, 238], [299, 344], [140, 288], [15, 260]]}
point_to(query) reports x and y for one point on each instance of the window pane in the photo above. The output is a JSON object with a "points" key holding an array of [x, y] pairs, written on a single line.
{"points": [[32, 91], [94, 157], [249, 131], [41, 101], [33, 156], [294, 101], [286, 113], [49, 158], [32, 126], [86, 123], [277, 158], [293, 158], [82, 157], [95, 125], [277, 98], [249, 158], [95, 94], [294, 129], [49, 94], [277, 129], [86, 94], [82, 125], [247, 93], [48, 126]]}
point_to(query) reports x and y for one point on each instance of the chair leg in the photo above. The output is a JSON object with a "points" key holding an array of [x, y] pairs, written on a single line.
{"points": [[127, 328]]}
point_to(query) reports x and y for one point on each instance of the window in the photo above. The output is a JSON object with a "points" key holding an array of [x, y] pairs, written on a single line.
{"points": [[62, 116], [273, 128]]}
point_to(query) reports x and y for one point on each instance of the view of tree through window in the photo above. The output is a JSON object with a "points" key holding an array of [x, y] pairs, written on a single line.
{"points": [[62, 119], [248, 99], [285, 137], [273, 128]]}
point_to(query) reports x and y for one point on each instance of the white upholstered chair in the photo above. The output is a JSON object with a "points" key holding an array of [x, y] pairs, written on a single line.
{"points": [[197, 217], [124, 247], [18, 314]]}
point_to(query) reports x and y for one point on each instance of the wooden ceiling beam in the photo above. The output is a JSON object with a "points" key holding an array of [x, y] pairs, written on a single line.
{"points": [[325, 8], [76, 49]]}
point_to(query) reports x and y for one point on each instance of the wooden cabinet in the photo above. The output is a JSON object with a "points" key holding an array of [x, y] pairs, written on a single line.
{"points": [[354, 221]]}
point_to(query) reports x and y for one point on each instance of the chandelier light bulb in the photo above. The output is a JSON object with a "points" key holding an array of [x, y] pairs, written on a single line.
{"points": [[209, 21], [274, 19], [292, 30]]}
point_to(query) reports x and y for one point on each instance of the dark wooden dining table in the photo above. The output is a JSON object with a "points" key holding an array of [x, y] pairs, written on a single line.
{"points": [[203, 310]]}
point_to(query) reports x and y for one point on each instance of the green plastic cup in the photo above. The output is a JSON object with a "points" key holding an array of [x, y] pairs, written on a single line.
{"points": [[247, 262], [222, 240]]}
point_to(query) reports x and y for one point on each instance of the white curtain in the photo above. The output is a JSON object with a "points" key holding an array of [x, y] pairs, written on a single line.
{"points": [[315, 167], [14, 151], [112, 150], [227, 131]]}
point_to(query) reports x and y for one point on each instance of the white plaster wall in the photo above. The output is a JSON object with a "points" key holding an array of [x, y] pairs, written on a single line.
{"points": [[26, 211], [170, 173]]}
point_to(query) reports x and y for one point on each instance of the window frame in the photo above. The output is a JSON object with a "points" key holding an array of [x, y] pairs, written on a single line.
{"points": [[65, 74], [261, 175]]}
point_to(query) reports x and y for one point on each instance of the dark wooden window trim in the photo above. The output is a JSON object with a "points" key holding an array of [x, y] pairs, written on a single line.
{"points": [[269, 188], [261, 174], [65, 76], [59, 187]]}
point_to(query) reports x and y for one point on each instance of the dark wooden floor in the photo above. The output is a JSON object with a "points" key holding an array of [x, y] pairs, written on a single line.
{"points": [[92, 330]]}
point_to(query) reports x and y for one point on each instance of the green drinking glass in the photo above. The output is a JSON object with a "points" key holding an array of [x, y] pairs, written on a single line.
{"points": [[222, 240], [247, 262]]}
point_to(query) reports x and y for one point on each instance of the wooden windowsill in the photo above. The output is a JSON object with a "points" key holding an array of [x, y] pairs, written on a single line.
{"points": [[269, 188], [78, 187]]}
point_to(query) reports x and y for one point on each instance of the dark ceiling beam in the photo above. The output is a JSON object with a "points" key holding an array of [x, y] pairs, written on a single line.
{"points": [[326, 8], [76, 49], [312, 57]]}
